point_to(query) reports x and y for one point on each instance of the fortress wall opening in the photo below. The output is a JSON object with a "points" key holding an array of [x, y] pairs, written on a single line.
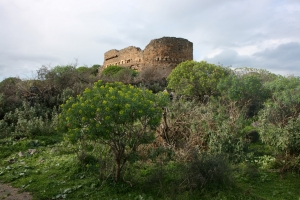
{"points": [[125, 57]]}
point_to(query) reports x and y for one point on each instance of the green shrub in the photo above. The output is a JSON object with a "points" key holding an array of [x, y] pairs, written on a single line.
{"points": [[111, 70], [210, 127], [120, 116], [285, 139], [264, 75], [28, 121], [2, 105], [125, 75], [5, 129], [156, 87], [224, 140], [9, 97], [203, 171], [196, 79], [288, 163], [279, 121], [226, 129], [182, 124], [245, 90], [281, 83], [115, 73], [95, 69], [206, 171]]}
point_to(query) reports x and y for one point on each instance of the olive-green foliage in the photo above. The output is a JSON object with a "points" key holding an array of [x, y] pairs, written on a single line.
{"points": [[111, 70], [88, 70], [206, 171], [27, 121], [243, 89], [120, 116], [225, 129], [281, 83], [62, 77], [9, 98], [61, 70], [183, 125], [28, 104], [196, 79], [264, 75], [280, 118], [156, 87], [95, 69], [203, 171], [116, 73], [125, 75], [2, 104], [52, 83], [82, 69], [212, 127], [5, 129], [246, 90]]}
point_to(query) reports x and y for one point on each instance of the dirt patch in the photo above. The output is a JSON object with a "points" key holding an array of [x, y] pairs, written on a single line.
{"points": [[7, 192]]}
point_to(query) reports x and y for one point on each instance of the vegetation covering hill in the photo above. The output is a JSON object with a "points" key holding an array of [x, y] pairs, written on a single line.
{"points": [[207, 132]]}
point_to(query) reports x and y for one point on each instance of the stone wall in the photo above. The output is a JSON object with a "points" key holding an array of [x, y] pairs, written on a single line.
{"points": [[161, 55]]}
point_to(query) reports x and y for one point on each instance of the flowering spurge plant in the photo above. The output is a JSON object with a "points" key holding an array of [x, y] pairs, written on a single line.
{"points": [[117, 115]]}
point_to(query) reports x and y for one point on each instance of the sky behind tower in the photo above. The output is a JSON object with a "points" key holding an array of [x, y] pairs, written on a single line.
{"points": [[238, 33]]}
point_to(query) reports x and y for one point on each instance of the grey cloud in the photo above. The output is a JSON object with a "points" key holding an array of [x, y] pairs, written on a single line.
{"points": [[231, 57], [287, 52], [56, 32], [283, 59]]}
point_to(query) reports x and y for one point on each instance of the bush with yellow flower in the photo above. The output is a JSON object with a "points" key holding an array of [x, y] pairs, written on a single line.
{"points": [[114, 114]]}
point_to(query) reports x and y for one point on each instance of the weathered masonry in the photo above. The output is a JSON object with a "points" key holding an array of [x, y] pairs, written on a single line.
{"points": [[161, 54]]}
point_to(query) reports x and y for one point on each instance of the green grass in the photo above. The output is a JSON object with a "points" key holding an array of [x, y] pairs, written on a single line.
{"points": [[53, 172], [272, 186]]}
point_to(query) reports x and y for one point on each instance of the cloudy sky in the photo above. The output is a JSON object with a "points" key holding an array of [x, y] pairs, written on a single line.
{"points": [[238, 33]]}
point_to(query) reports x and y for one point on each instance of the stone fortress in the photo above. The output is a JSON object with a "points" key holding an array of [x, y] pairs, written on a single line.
{"points": [[162, 55]]}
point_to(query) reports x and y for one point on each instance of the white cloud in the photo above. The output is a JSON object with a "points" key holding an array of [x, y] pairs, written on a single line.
{"points": [[232, 32]]}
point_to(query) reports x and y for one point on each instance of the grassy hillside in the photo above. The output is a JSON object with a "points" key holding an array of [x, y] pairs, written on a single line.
{"points": [[212, 133]]}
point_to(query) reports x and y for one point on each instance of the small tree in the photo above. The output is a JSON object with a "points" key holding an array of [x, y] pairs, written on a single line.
{"points": [[196, 79], [120, 116]]}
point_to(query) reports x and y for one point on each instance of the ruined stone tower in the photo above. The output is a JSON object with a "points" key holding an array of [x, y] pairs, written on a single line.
{"points": [[161, 55]]}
